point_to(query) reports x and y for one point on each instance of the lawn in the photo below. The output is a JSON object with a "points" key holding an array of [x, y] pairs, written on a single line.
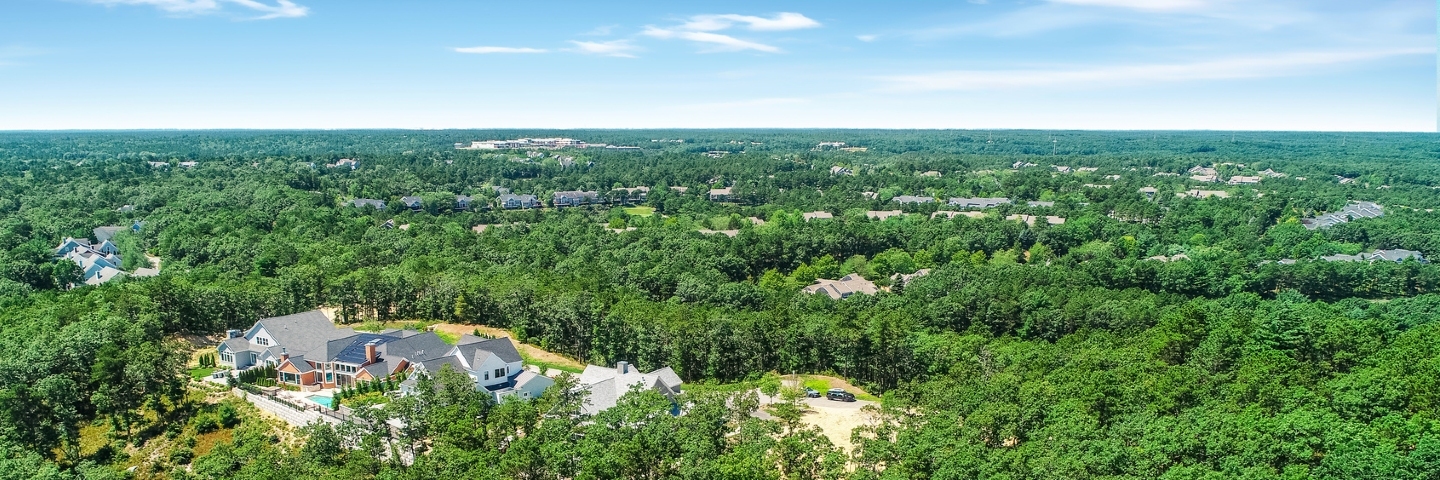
{"points": [[640, 211], [549, 365], [199, 373]]}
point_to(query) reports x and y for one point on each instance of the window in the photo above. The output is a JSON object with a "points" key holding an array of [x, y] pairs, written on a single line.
{"points": [[499, 372], [227, 357], [262, 341], [487, 375], [254, 357]]}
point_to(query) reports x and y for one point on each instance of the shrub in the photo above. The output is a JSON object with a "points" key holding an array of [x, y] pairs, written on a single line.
{"points": [[181, 456], [229, 417], [206, 424]]}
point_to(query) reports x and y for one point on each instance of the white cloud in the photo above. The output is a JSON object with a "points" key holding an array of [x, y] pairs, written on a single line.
{"points": [[280, 9], [718, 42], [499, 50], [613, 48], [601, 31], [1156, 5], [10, 53], [779, 22], [1121, 75], [866, 38], [702, 29]]}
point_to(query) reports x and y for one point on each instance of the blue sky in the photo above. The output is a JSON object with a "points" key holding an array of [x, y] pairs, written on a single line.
{"points": [[1071, 64]]}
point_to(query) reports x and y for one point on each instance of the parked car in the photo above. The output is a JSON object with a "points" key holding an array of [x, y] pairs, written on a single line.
{"points": [[839, 395], [811, 393]]}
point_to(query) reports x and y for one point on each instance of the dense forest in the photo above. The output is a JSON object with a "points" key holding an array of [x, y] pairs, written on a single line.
{"points": [[1042, 350]]}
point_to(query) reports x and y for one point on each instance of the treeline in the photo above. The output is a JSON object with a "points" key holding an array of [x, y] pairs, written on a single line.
{"points": [[1059, 348]]}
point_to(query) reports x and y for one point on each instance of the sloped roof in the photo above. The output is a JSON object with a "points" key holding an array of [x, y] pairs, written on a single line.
{"points": [[237, 344], [434, 365], [842, 288], [606, 385], [500, 347], [668, 375], [416, 347], [105, 274], [303, 332], [1396, 255], [105, 233], [302, 366], [351, 349], [360, 202]]}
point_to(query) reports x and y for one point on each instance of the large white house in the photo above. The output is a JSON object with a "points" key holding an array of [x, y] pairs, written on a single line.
{"points": [[605, 385], [308, 351]]}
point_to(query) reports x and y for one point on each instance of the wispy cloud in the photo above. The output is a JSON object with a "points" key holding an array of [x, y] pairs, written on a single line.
{"points": [[9, 54], [703, 29], [613, 48], [781, 21], [601, 31], [867, 38], [1124, 75], [717, 42], [500, 50], [1153, 5], [279, 9], [1168, 15]]}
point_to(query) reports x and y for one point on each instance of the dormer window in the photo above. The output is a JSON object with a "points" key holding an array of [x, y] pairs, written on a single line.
{"points": [[262, 341]]}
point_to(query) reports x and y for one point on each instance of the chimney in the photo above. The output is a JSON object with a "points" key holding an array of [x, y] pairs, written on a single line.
{"points": [[622, 367], [284, 354], [370, 352]]}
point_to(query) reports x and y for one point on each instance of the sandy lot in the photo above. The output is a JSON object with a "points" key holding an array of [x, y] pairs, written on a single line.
{"points": [[835, 419]]}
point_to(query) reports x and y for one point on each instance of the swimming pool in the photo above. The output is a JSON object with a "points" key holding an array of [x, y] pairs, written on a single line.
{"points": [[320, 399]]}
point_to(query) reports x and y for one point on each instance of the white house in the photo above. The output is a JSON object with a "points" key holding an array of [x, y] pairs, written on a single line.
{"points": [[605, 385]]}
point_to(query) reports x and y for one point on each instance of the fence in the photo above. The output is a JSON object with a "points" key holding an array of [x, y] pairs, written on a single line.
{"points": [[290, 412]]}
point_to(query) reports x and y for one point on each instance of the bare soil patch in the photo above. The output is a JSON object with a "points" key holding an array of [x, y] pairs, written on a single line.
{"points": [[528, 350]]}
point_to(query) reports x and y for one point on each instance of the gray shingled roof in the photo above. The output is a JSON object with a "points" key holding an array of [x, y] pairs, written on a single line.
{"points": [[501, 347], [237, 344], [303, 332], [669, 376], [606, 385], [360, 202], [300, 364], [105, 233], [417, 347], [433, 366]]}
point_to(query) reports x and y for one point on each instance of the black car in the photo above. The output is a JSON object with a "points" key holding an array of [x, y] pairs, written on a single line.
{"points": [[839, 395], [811, 393]]}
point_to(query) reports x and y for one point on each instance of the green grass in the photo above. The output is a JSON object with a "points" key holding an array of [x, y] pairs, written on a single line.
{"points": [[199, 373], [447, 337], [640, 211], [721, 387], [816, 384], [549, 365]]}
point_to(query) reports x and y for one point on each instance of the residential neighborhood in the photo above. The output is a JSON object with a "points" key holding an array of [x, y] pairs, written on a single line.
{"points": [[1353, 211]]}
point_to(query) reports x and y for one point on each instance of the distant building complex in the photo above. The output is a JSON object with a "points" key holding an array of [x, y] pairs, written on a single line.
{"points": [[545, 143]]}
